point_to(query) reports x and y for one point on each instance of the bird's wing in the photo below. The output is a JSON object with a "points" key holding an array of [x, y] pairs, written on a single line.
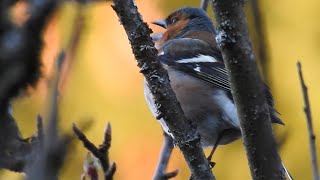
{"points": [[196, 58], [213, 73]]}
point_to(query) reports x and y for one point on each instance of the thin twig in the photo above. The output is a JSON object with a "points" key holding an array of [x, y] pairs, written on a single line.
{"points": [[110, 173], [101, 153], [52, 155], [53, 115], [166, 150], [23, 70], [89, 145], [72, 46], [247, 90], [312, 136], [104, 147]]}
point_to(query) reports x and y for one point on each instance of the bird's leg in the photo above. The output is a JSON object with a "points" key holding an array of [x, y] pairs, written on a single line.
{"points": [[166, 151], [214, 149]]}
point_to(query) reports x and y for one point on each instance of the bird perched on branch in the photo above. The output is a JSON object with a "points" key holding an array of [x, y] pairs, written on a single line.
{"points": [[189, 52]]}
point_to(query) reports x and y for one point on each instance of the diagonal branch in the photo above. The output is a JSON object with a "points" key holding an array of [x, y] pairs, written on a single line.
{"points": [[41, 156], [19, 68], [312, 136], [163, 162], [247, 89], [157, 78]]}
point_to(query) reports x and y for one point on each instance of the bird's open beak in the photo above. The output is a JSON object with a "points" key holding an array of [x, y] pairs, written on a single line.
{"points": [[160, 23]]}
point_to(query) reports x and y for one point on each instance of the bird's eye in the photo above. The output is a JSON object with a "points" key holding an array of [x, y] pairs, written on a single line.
{"points": [[174, 20]]}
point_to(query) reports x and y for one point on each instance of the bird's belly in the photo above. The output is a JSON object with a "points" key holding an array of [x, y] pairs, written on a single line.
{"points": [[201, 105]]}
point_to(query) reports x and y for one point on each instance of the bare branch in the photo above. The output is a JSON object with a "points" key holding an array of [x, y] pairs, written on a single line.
{"points": [[312, 136], [19, 68], [261, 37], [165, 154], [247, 90], [89, 145], [50, 158], [109, 174], [104, 147], [101, 153], [40, 130]]}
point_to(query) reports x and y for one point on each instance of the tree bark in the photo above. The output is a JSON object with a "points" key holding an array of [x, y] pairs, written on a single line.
{"points": [[247, 89], [169, 108]]}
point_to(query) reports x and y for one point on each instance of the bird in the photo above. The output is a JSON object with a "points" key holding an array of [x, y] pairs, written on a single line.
{"points": [[190, 54]]}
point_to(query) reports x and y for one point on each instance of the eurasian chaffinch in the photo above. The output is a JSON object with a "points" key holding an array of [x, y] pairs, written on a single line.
{"points": [[188, 51]]}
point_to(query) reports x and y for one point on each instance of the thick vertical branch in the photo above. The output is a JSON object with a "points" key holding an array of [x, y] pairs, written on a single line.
{"points": [[246, 85], [169, 108], [312, 136], [52, 153]]}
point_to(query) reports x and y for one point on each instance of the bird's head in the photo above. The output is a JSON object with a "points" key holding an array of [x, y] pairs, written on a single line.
{"points": [[186, 22]]}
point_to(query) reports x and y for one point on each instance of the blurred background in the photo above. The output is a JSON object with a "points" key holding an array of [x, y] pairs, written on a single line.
{"points": [[104, 84]]}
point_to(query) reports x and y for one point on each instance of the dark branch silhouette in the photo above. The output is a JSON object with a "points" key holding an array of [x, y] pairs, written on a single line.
{"points": [[50, 156], [260, 38], [167, 147], [233, 40], [20, 48], [19, 68], [41, 156], [169, 108], [101, 152], [21, 150], [312, 136]]}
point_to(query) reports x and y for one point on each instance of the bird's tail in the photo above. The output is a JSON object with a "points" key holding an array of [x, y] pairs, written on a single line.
{"points": [[287, 172]]}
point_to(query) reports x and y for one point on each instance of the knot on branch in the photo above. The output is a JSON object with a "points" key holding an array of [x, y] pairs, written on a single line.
{"points": [[191, 139], [225, 33], [140, 32]]}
